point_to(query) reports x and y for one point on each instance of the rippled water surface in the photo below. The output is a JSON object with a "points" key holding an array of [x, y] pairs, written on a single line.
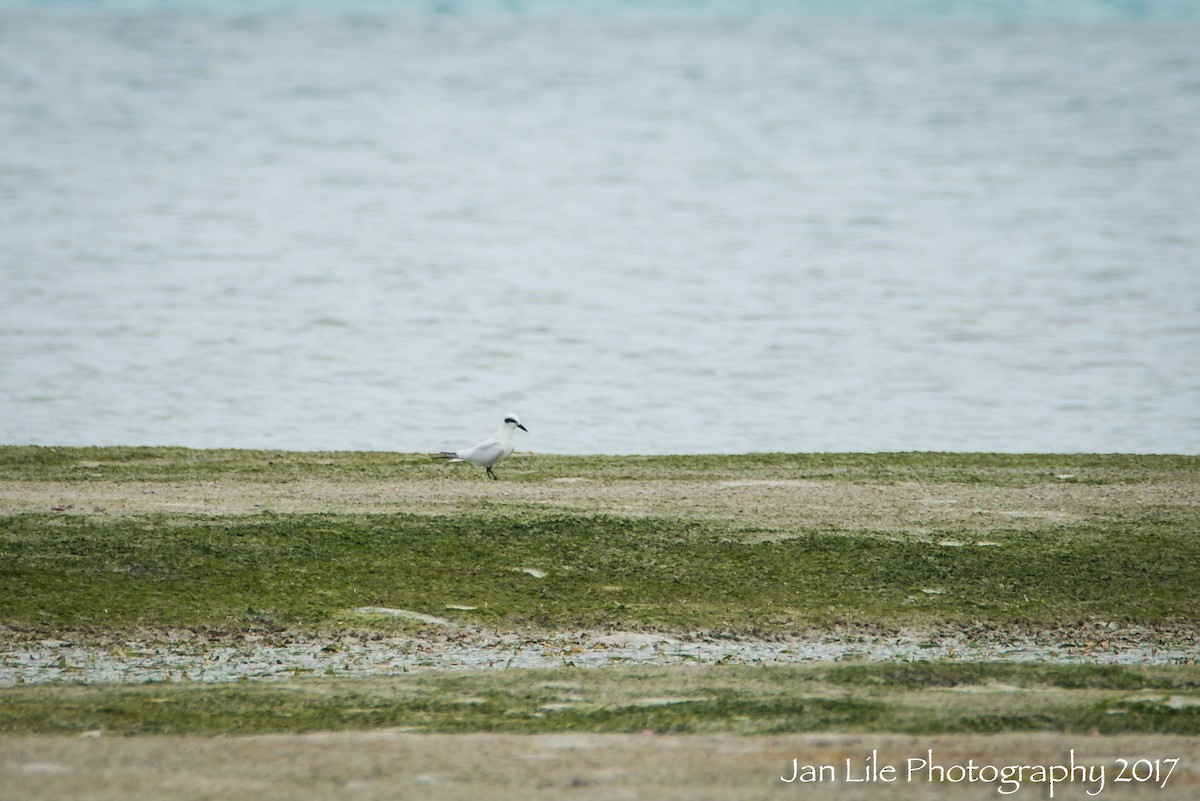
{"points": [[720, 227]]}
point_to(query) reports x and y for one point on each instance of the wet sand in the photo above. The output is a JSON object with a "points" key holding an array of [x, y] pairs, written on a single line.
{"points": [[394, 765]]}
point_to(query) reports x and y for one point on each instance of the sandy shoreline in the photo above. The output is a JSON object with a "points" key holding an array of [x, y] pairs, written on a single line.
{"points": [[608, 767], [912, 509], [389, 764]]}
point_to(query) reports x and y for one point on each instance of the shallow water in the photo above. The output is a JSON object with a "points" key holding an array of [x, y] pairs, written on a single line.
{"points": [[723, 227], [55, 661]]}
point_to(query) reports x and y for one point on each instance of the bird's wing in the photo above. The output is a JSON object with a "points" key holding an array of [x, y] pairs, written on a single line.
{"points": [[485, 454]]}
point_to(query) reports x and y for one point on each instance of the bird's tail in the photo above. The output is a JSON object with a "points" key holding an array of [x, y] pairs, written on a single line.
{"points": [[447, 455]]}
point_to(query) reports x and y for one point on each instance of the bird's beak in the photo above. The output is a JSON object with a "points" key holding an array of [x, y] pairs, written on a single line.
{"points": [[523, 428]]}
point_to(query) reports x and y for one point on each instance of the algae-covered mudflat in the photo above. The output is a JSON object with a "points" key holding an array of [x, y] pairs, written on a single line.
{"points": [[111, 540], [1030, 593], [915, 698]]}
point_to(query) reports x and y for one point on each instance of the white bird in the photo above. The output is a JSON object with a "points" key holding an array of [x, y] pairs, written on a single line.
{"points": [[487, 454]]}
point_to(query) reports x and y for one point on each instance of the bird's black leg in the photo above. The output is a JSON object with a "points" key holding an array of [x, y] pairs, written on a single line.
{"points": [[493, 475]]}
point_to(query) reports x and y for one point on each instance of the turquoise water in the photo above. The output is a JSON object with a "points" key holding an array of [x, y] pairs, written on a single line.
{"points": [[1017, 10], [664, 227]]}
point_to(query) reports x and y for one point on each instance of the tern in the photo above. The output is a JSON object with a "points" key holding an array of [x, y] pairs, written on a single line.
{"points": [[487, 454]]}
